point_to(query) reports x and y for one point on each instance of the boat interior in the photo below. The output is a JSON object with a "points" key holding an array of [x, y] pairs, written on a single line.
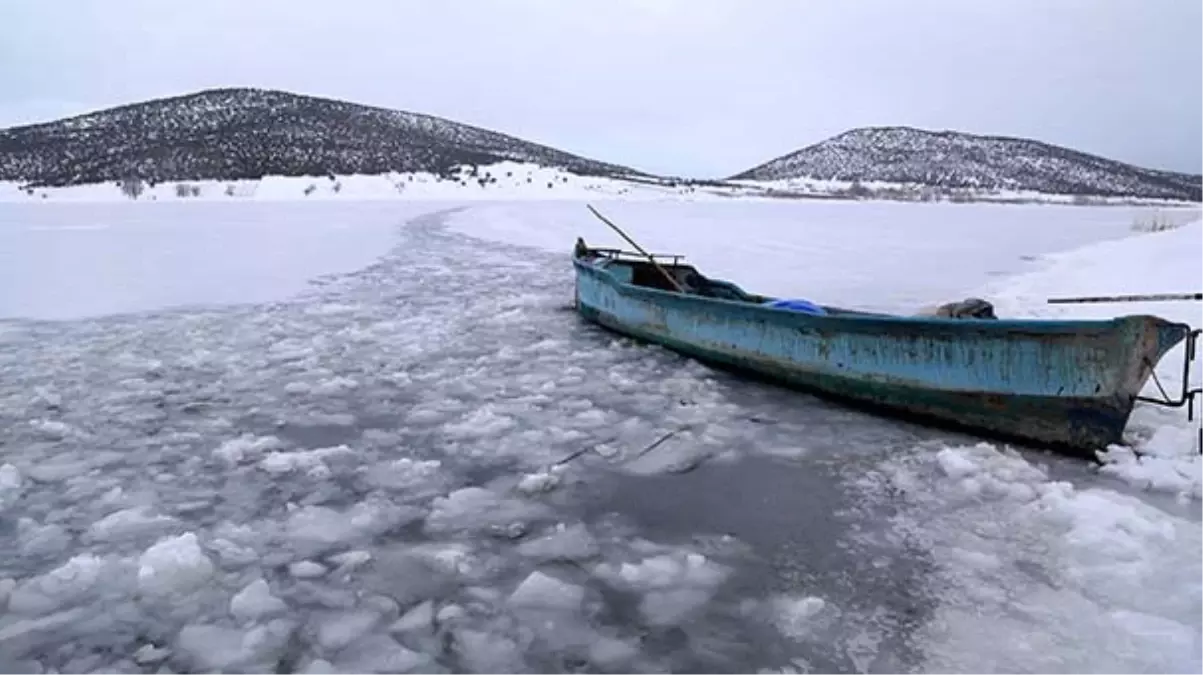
{"points": [[636, 269]]}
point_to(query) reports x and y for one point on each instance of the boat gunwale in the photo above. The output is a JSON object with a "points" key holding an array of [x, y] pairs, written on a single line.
{"points": [[863, 318]]}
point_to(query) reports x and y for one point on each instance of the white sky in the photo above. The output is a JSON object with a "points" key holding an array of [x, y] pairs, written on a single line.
{"points": [[689, 87]]}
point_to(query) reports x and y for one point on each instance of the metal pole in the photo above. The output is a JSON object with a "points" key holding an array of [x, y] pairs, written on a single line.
{"points": [[1156, 297]]}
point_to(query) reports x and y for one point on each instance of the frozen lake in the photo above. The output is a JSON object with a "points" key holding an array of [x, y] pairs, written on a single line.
{"points": [[91, 259], [353, 461]]}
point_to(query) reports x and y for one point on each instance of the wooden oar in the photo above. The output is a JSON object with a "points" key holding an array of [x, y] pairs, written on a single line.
{"points": [[650, 258], [1157, 297]]}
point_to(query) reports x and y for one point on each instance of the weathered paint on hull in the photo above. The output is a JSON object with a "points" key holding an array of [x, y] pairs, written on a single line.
{"points": [[1066, 384]]}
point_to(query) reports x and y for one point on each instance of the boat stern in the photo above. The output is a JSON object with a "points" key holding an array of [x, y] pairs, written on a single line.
{"points": [[1146, 340]]}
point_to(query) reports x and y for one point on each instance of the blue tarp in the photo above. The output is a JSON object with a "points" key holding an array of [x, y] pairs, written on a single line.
{"points": [[796, 305]]}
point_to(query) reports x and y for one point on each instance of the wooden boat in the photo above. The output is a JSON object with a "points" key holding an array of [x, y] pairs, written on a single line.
{"points": [[1065, 384]]}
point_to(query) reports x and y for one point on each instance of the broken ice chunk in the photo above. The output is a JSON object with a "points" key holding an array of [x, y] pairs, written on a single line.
{"points": [[418, 619], [213, 648], [318, 667], [545, 591], [10, 485], [306, 569], [317, 528], [339, 629], [349, 560], [245, 446], [563, 543], [380, 654], [255, 601], [476, 509], [149, 653], [312, 462], [535, 483], [69, 584], [131, 523], [232, 555], [174, 565]]}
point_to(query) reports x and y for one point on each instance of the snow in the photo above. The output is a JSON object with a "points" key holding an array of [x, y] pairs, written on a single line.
{"points": [[365, 475], [1035, 573], [71, 260], [507, 181], [982, 166], [1161, 450], [821, 250]]}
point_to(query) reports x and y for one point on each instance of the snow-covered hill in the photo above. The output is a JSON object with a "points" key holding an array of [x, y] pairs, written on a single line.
{"points": [[949, 160], [231, 134]]}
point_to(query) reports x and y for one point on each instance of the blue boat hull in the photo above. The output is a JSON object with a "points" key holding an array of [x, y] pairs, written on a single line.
{"points": [[1067, 384]]}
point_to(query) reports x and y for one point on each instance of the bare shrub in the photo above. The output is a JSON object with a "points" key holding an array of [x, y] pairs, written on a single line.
{"points": [[1155, 222], [132, 187]]}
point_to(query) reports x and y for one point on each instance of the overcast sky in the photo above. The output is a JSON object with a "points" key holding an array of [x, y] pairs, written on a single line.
{"points": [[689, 87]]}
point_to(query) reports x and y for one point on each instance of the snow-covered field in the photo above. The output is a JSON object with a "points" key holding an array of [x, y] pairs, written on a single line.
{"points": [[367, 475], [505, 180], [511, 181]]}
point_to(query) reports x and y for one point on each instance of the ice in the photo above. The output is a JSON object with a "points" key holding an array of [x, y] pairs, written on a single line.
{"points": [[174, 565], [380, 654], [335, 631], [10, 485], [674, 585], [795, 615], [318, 667], [306, 569], [212, 648], [66, 585], [185, 250], [535, 483], [420, 618], [361, 472], [312, 462], [572, 542], [545, 591], [148, 654], [1049, 570], [1162, 465], [20, 636], [1166, 442], [475, 508], [131, 523], [480, 651], [232, 555], [954, 464], [7, 585], [255, 601], [349, 560], [405, 474], [813, 246], [41, 540], [319, 528], [245, 447]]}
